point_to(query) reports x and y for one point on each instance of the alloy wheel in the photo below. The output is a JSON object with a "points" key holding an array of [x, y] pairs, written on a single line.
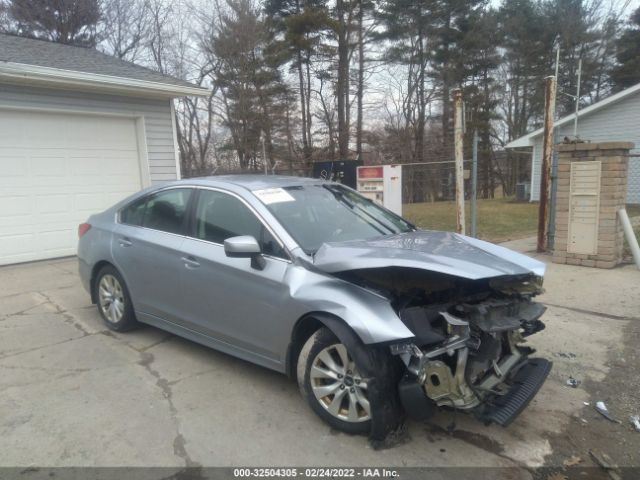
{"points": [[338, 385], [111, 298]]}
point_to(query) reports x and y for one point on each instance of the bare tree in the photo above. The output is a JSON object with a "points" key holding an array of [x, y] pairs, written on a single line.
{"points": [[125, 27]]}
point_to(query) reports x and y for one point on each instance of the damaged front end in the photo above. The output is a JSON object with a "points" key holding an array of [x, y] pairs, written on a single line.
{"points": [[469, 305], [468, 352]]}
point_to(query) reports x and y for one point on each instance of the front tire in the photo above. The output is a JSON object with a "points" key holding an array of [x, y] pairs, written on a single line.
{"points": [[332, 384], [114, 302]]}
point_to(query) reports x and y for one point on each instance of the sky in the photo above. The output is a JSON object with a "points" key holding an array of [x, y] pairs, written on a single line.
{"points": [[633, 4]]}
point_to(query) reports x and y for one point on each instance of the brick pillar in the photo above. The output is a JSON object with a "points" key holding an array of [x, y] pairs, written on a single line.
{"points": [[612, 196]]}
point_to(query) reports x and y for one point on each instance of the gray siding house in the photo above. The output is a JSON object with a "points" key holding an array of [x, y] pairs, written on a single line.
{"points": [[616, 118], [79, 130]]}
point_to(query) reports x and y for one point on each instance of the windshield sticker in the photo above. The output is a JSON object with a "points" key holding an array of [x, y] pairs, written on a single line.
{"points": [[273, 195]]}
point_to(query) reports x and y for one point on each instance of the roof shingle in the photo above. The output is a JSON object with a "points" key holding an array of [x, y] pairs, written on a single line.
{"points": [[43, 53]]}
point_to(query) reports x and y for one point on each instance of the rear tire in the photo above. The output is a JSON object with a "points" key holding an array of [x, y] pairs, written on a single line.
{"points": [[332, 385], [114, 301]]}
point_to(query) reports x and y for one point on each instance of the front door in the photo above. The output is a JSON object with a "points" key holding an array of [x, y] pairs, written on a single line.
{"points": [[226, 298]]}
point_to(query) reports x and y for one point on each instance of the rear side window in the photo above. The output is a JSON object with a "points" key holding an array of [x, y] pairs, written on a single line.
{"points": [[220, 216], [166, 210], [163, 211], [133, 214]]}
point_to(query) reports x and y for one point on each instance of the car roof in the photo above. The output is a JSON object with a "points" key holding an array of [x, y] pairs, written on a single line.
{"points": [[255, 182]]}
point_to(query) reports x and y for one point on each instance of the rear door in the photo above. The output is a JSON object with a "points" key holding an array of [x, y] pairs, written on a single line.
{"points": [[147, 249], [225, 298]]}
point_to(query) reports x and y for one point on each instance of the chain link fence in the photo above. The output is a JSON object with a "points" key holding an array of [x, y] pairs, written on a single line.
{"points": [[433, 182], [633, 179]]}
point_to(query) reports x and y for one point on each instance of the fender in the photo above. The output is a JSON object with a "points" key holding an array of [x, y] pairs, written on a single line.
{"points": [[367, 313]]}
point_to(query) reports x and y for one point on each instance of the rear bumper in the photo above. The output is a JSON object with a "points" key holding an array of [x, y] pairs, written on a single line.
{"points": [[524, 386]]}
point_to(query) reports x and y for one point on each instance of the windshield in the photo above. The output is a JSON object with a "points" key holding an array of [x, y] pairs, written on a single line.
{"points": [[316, 214]]}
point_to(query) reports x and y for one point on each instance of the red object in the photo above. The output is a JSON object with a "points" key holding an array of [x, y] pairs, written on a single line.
{"points": [[370, 172], [83, 228]]}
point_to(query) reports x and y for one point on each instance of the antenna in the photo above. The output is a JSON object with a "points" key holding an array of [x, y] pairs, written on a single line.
{"points": [[575, 121]]}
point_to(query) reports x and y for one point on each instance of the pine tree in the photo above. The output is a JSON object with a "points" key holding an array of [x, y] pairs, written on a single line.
{"points": [[627, 72], [528, 51], [254, 95], [65, 21], [408, 28], [301, 25]]}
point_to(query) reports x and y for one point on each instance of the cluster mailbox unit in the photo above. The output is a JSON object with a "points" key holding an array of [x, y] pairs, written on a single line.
{"points": [[382, 184]]}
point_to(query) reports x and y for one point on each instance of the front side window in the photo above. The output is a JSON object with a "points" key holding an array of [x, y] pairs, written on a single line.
{"points": [[220, 216]]}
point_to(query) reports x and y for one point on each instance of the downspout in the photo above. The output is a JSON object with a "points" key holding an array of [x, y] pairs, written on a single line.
{"points": [[554, 189]]}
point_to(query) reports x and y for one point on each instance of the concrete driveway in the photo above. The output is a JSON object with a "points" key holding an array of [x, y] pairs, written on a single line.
{"points": [[73, 393]]}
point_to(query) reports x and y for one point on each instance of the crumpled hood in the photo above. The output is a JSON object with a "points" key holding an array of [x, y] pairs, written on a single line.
{"points": [[443, 252]]}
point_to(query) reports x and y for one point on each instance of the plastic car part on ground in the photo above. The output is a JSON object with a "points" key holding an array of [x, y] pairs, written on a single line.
{"points": [[635, 421], [572, 382], [602, 409]]}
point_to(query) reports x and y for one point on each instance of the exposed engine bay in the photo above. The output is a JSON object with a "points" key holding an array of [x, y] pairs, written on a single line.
{"points": [[468, 352]]}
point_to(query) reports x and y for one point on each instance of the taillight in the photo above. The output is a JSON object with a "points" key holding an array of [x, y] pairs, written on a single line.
{"points": [[83, 228]]}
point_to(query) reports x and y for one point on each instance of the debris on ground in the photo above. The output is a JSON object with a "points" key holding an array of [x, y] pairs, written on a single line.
{"points": [[572, 461], [572, 382], [605, 462], [565, 354], [602, 409], [586, 404], [557, 476], [635, 421]]}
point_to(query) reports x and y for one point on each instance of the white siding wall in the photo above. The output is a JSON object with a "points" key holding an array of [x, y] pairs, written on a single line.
{"points": [[156, 113], [616, 122]]}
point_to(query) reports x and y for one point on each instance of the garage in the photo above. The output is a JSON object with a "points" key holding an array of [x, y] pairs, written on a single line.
{"points": [[79, 131], [57, 170]]}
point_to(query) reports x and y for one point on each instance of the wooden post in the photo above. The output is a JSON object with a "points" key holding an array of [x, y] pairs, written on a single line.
{"points": [[474, 186], [458, 142], [545, 173]]}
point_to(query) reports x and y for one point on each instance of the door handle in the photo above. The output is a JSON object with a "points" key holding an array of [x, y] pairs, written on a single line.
{"points": [[125, 242], [190, 262]]}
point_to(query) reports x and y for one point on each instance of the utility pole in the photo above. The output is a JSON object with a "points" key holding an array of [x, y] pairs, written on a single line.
{"points": [[264, 154], [551, 233], [474, 185], [547, 148], [575, 120], [458, 142]]}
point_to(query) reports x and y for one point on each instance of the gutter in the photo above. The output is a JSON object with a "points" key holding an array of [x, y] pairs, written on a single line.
{"points": [[21, 74]]}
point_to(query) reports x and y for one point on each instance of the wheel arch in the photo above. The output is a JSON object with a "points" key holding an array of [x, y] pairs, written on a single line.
{"points": [[94, 274], [374, 362], [306, 326]]}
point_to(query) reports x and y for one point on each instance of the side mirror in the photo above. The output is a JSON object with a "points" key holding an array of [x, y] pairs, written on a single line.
{"points": [[245, 246]]}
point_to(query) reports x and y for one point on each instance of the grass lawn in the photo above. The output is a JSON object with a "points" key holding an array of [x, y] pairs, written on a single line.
{"points": [[633, 210], [498, 220]]}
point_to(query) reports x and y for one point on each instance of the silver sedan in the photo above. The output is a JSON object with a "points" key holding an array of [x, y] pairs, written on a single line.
{"points": [[374, 318]]}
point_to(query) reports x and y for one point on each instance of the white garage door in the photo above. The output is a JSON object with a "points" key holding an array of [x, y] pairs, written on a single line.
{"points": [[55, 170]]}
